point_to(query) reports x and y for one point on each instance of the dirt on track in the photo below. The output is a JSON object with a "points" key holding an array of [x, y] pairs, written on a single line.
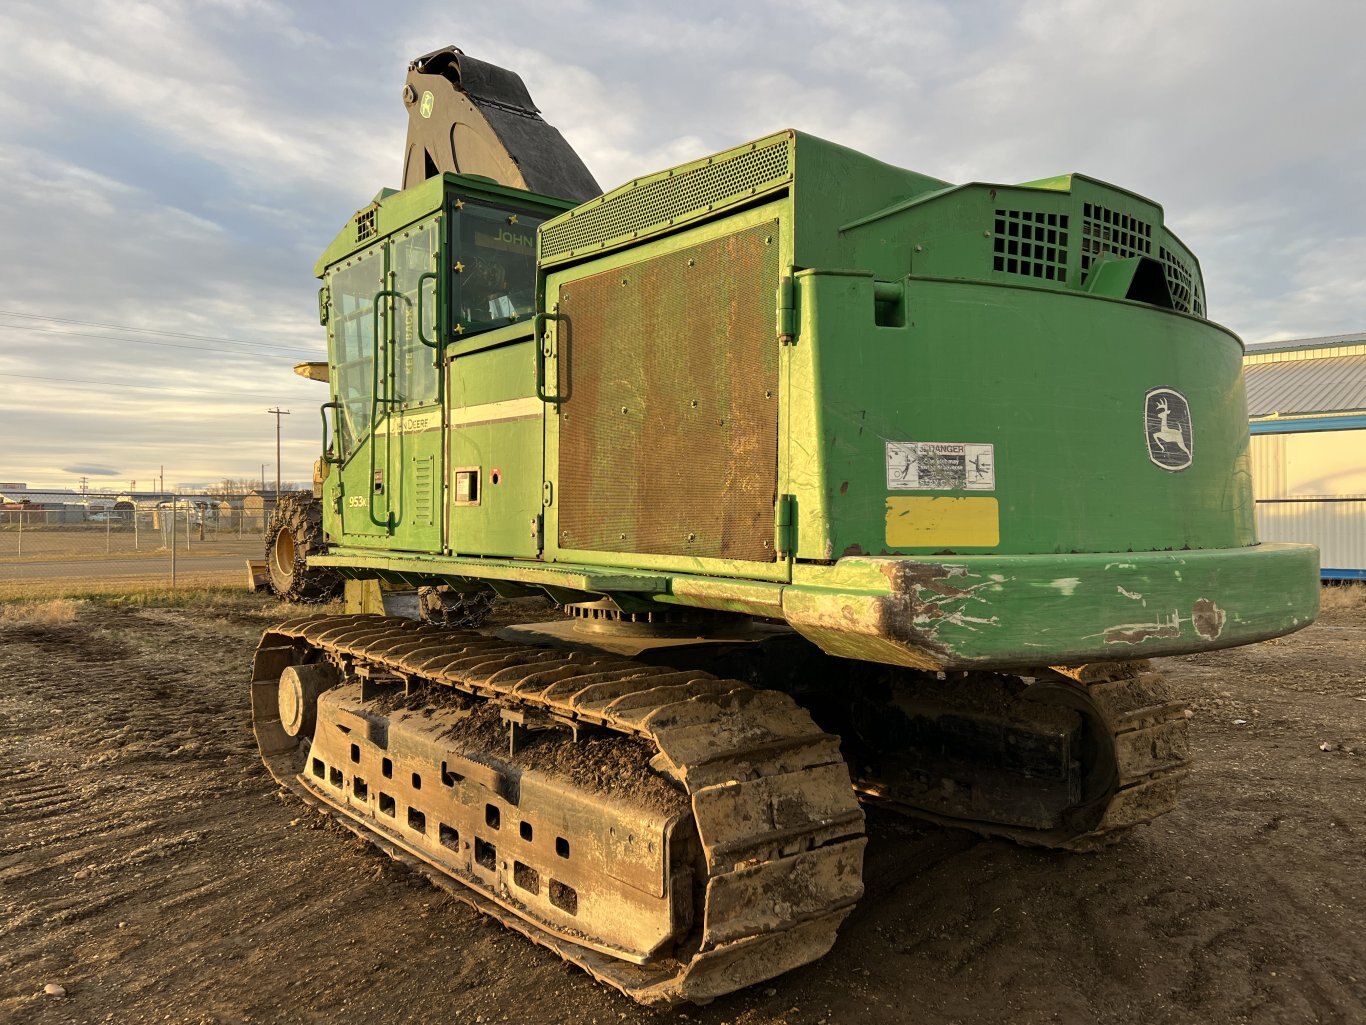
{"points": [[150, 867]]}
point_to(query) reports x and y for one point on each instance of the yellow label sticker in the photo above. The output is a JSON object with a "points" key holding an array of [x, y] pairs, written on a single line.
{"points": [[428, 102], [924, 521]]}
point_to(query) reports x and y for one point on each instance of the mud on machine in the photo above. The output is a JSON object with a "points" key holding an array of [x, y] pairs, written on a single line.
{"points": [[855, 484]]}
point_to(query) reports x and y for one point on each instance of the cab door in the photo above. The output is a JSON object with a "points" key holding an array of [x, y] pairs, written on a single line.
{"points": [[496, 422], [412, 428], [387, 389]]}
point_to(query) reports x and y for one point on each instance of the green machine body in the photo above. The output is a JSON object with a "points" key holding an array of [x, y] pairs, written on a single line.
{"points": [[937, 426]]}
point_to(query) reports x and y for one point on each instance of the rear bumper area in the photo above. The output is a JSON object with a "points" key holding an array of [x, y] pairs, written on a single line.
{"points": [[985, 612]]}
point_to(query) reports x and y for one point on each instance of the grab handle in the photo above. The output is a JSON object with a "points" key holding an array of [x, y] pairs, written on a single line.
{"points": [[543, 351]]}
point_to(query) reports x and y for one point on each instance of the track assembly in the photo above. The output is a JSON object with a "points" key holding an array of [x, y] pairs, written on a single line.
{"points": [[677, 835]]}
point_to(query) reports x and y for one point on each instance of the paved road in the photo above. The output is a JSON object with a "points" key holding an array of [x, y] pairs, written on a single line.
{"points": [[144, 567]]}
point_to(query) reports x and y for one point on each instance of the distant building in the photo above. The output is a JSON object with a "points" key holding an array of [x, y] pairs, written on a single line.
{"points": [[256, 509], [53, 497], [24, 507], [1306, 402]]}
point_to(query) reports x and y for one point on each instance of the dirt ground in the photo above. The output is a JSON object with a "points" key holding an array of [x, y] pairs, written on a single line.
{"points": [[150, 867]]}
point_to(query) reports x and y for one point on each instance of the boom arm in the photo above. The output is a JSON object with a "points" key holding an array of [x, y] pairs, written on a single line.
{"points": [[469, 117]]}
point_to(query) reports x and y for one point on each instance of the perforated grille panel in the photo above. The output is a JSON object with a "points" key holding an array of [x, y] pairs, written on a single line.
{"points": [[1031, 243], [1110, 231], [669, 424], [423, 481], [1183, 285], [365, 224], [659, 203]]}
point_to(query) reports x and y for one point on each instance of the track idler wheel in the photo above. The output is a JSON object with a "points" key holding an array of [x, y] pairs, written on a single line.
{"points": [[298, 697], [1134, 746]]}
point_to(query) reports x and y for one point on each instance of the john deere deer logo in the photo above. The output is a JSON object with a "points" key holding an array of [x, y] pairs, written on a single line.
{"points": [[1167, 424]]}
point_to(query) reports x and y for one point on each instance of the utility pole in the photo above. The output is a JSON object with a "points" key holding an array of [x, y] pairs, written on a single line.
{"points": [[278, 413]]}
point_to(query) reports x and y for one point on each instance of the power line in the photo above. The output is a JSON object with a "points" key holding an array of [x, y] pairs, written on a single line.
{"points": [[297, 353], [168, 389], [284, 350], [141, 330], [97, 384]]}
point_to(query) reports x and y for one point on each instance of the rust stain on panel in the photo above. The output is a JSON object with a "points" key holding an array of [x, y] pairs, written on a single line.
{"points": [[669, 426], [1209, 619]]}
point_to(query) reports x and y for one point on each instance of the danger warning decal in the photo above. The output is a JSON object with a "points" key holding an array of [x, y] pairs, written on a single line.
{"points": [[940, 466]]}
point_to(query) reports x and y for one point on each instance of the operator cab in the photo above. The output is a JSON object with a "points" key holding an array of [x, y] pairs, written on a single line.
{"points": [[387, 297]]}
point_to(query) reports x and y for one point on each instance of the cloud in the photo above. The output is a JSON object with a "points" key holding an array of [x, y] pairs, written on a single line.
{"points": [[178, 166], [91, 471], [159, 70]]}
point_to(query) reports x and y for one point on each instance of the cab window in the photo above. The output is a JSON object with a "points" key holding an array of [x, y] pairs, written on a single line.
{"points": [[352, 288], [415, 375], [494, 273]]}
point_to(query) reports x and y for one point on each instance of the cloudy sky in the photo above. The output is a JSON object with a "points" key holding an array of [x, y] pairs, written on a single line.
{"points": [[170, 170]]}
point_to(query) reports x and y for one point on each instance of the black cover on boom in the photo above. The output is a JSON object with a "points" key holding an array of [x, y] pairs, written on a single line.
{"points": [[470, 117]]}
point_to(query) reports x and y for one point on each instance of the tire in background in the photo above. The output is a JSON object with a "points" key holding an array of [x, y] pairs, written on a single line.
{"points": [[294, 533]]}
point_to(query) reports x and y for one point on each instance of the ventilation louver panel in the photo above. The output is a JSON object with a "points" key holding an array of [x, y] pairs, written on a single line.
{"points": [[365, 224], [424, 480], [1112, 231], [1031, 243], [1183, 285], [642, 209]]}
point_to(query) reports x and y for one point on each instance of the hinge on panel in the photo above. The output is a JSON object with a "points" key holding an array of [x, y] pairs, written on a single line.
{"points": [[784, 520], [787, 313]]}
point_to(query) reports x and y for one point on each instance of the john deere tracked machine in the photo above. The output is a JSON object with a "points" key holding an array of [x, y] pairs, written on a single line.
{"points": [[853, 484]]}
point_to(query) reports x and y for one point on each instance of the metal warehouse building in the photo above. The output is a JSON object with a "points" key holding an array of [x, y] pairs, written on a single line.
{"points": [[1306, 403]]}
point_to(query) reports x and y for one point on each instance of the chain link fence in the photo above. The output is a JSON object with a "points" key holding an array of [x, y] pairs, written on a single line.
{"points": [[178, 541]]}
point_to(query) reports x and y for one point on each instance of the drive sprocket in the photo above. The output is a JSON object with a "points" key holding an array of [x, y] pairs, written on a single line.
{"points": [[1066, 757]]}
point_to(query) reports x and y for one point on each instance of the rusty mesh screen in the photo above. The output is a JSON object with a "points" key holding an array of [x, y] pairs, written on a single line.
{"points": [[669, 424]]}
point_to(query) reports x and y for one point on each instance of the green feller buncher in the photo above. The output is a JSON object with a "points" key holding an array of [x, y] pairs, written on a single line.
{"points": [[854, 485]]}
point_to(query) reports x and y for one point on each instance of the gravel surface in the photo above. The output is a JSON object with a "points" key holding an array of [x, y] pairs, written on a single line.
{"points": [[150, 871]]}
